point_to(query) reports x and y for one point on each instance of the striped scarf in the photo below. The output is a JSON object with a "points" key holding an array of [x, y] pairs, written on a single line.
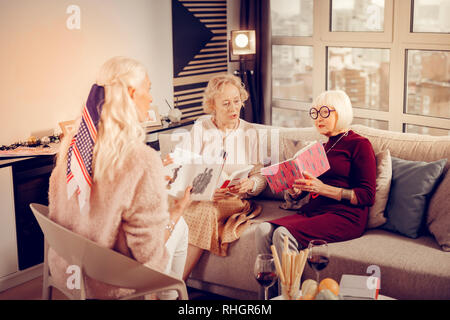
{"points": [[81, 149]]}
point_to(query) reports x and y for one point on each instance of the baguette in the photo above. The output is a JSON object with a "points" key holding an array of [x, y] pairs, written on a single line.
{"points": [[277, 263], [288, 269], [303, 263]]}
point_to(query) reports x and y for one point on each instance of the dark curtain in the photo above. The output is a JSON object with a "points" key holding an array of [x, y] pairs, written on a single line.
{"points": [[256, 73]]}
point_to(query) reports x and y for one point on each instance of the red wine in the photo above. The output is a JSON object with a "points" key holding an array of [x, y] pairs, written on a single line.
{"points": [[318, 262], [266, 279]]}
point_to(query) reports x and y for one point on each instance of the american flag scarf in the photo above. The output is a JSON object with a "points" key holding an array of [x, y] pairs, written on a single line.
{"points": [[79, 158]]}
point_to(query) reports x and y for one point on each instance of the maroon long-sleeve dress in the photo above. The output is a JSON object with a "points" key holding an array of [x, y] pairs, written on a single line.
{"points": [[352, 166]]}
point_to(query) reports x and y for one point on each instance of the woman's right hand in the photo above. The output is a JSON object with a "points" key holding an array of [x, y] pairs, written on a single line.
{"points": [[221, 194], [176, 211]]}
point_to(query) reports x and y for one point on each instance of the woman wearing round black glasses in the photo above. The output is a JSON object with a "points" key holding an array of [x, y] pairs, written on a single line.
{"points": [[340, 198]]}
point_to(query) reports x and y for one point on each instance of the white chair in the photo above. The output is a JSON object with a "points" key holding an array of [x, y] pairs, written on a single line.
{"points": [[99, 263]]}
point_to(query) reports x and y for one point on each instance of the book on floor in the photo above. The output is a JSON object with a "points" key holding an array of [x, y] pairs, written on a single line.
{"points": [[281, 176]]}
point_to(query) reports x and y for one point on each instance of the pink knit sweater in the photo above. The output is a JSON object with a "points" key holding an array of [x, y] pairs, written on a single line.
{"points": [[128, 214]]}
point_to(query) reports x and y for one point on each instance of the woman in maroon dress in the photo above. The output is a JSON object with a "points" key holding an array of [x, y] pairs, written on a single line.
{"points": [[339, 199]]}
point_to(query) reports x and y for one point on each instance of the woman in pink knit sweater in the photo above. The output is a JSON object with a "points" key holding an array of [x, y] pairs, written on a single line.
{"points": [[106, 185]]}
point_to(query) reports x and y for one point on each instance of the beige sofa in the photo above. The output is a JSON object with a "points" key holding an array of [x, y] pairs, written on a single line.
{"points": [[410, 268]]}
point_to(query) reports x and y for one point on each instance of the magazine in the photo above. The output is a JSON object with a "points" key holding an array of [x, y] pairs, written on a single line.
{"points": [[312, 158], [204, 175]]}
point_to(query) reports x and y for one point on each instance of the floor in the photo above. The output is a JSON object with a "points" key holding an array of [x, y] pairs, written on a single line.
{"points": [[32, 290]]}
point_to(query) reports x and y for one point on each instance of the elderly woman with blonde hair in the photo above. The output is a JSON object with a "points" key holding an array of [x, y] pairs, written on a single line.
{"points": [[106, 182], [213, 225]]}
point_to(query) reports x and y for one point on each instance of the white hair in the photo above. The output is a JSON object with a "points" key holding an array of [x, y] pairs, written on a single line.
{"points": [[340, 101], [119, 129]]}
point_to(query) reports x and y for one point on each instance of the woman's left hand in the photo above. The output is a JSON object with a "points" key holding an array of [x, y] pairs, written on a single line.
{"points": [[309, 184], [244, 186]]}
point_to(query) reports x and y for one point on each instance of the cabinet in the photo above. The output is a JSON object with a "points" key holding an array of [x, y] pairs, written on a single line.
{"points": [[8, 243], [22, 181]]}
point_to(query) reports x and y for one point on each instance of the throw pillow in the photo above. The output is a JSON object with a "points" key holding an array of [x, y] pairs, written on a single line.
{"points": [[289, 147], [438, 216], [384, 176], [411, 187]]}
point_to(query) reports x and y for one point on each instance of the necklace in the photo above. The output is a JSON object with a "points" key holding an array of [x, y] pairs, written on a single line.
{"points": [[344, 135]]}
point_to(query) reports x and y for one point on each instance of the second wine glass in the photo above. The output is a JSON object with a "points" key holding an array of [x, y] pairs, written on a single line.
{"points": [[318, 256], [265, 272]]}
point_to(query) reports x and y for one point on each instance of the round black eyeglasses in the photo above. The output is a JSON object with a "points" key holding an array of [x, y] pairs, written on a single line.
{"points": [[324, 112]]}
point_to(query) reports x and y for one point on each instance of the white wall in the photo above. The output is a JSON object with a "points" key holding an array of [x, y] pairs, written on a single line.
{"points": [[46, 70]]}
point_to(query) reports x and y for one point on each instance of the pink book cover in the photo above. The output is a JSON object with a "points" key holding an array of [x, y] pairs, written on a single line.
{"points": [[281, 176]]}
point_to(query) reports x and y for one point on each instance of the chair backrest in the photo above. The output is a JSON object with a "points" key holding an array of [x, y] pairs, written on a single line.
{"points": [[97, 262]]}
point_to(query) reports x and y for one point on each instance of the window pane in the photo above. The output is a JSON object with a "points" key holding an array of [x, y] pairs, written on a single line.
{"points": [[362, 73], [411, 128], [292, 72], [357, 15], [431, 16], [428, 80], [292, 17], [377, 124], [291, 118]]}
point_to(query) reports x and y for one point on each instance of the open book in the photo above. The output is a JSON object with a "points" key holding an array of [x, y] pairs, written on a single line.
{"points": [[204, 175], [281, 176]]}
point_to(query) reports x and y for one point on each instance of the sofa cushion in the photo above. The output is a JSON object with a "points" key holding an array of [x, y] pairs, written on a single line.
{"points": [[289, 147], [438, 216], [384, 176], [411, 187]]}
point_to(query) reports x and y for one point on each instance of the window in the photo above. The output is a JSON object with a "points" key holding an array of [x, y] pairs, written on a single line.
{"points": [[426, 130], [428, 83], [292, 17], [292, 72], [362, 73], [291, 118], [392, 57], [377, 124], [357, 15], [431, 16]]}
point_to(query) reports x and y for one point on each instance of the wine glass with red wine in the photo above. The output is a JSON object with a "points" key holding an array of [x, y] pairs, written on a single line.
{"points": [[265, 272], [318, 256]]}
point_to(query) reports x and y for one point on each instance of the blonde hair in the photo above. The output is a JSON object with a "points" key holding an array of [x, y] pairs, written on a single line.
{"points": [[340, 101], [216, 85], [119, 129]]}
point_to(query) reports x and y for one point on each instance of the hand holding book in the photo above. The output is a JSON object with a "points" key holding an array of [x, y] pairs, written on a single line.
{"points": [[308, 184], [243, 186]]}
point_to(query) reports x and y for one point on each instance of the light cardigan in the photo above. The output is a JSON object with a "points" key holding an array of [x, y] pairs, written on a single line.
{"points": [[128, 214], [241, 145]]}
